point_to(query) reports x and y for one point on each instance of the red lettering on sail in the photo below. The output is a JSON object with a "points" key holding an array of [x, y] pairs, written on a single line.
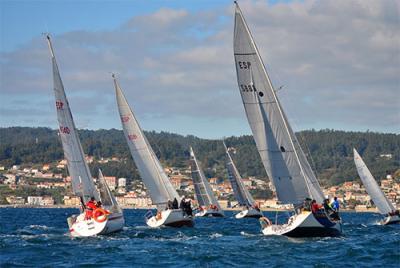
{"points": [[132, 137], [59, 104], [64, 130], [125, 118]]}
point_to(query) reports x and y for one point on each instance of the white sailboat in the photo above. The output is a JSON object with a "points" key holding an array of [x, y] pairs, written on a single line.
{"points": [[281, 154], [208, 204], [242, 195], [82, 181], [153, 176], [384, 206]]}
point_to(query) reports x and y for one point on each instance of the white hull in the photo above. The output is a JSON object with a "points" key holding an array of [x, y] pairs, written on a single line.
{"points": [[79, 227], [209, 213], [170, 217], [390, 220], [249, 213], [305, 225]]}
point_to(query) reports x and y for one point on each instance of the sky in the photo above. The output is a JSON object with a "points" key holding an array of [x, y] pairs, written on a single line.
{"points": [[337, 60]]}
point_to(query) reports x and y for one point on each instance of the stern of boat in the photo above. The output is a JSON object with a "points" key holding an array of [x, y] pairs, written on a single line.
{"points": [[390, 220], [170, 217], [305, 224], [249, 213]]}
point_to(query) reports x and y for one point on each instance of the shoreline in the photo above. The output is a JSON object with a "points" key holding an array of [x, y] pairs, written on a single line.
{"points": [[372, 210]]}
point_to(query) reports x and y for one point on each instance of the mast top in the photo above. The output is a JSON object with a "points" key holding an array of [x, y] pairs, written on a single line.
{"points": [[49, 44]]}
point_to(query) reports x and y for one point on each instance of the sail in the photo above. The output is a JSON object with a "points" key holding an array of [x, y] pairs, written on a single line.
{"points": [[82, 181], [106, 197], [372, 187], [202, 188], [241, 193], [153, 176], [281, 154]]}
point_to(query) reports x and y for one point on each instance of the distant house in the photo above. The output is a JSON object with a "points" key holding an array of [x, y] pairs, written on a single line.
{"points": [[111, 181], [15, 200]]}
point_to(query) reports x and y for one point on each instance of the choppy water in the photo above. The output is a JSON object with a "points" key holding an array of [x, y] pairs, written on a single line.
{"points": [[38, 237]]}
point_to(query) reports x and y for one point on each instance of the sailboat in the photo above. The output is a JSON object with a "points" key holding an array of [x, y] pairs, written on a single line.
{"points": [[208, 204], [242, 195], [283, 159], [103, 221], [159, 186], [384, 206]]}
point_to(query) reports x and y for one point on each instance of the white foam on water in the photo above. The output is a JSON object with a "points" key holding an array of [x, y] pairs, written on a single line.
{"points": [[216, 235]]}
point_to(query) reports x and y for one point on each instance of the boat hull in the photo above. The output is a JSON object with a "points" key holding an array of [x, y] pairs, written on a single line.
{"points": [[305, 225], [170, 217], [79, 227], [391, 220], [249, 213], [210, 213]]}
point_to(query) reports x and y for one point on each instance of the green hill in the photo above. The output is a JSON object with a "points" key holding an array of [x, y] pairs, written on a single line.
{"points": [[330, 151]]}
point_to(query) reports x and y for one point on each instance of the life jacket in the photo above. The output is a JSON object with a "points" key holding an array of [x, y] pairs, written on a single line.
{"points": [[90, 205]]}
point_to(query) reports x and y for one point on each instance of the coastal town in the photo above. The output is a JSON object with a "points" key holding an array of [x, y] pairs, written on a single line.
{"points": [[35, 182]]}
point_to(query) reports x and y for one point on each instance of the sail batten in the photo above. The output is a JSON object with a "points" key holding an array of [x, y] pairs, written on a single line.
{"points": [[203, 191], [153, 176], [371, 186], [82, 181], [281, 155]]}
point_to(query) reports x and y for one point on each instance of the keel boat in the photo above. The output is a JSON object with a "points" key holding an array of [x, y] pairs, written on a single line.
{"points": [[103, 221], [249, 208], [208, 204], [385, 207], [158, 185], [280, 152]]}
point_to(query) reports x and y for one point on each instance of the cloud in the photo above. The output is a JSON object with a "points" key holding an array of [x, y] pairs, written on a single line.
{"points": [[338, 62]]}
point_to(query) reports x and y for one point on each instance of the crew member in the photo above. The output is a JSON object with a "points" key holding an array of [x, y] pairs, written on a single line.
{"points": [[314, 206], [175, 203], [335, 204], [90, 207]]}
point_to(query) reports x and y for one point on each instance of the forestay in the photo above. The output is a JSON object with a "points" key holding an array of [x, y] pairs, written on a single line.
{"points": [[202, 188], [382, 203], [153, 176], [82, 181], [279, 149], [107, 198], [241, 193]]}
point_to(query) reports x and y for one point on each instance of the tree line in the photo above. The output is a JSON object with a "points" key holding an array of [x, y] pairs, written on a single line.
{"points": [[330, 152]]}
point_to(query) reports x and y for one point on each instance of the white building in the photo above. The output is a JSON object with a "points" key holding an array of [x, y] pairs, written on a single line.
{"points": [[35, 200]]}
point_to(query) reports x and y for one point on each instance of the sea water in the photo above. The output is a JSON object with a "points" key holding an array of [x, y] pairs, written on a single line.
{"points": [[39, 238]]}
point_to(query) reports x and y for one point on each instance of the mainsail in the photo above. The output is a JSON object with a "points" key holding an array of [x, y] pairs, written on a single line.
{"points": [[82, 181], [107, 198], [379, 198], [241, 193], [156, 181], [281, 154], [202, 188]]}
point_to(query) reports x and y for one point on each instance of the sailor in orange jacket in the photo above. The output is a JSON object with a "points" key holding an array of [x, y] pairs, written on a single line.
{"points": [[90, 207]]}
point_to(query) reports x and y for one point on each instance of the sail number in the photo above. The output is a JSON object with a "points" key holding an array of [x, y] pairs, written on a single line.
{"points": [[248, 88], [125, 118], [64, 130], [132, 137], [244, 64], [59, 104]]}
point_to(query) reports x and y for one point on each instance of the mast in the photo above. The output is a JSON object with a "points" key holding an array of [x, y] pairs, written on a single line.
{"points": [[157, 182], [82, 181], [270, 112]]}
